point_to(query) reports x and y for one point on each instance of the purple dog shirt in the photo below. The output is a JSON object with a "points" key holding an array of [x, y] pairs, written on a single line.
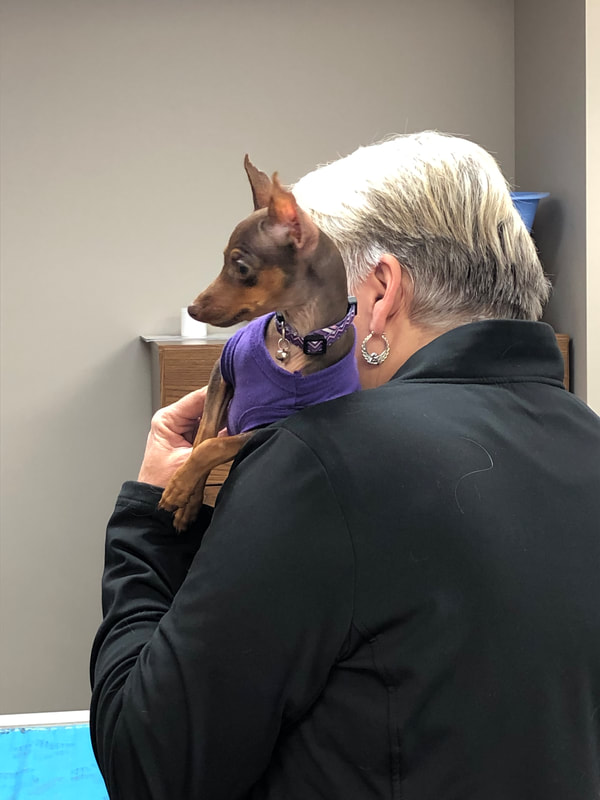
{"points": [[264, 391]]}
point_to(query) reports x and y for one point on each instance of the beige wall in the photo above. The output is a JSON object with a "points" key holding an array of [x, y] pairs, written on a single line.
{"points": [[550, 147], [124, 124], [593, 202]]}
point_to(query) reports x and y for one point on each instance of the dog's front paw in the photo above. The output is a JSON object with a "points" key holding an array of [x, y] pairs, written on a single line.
{"points": [[184, 500], [187, 513], [172, 498], [178, 489]]}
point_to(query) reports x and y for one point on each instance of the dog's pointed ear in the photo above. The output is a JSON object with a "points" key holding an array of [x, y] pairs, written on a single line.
{"points": [[285, 211], [262, 188]]}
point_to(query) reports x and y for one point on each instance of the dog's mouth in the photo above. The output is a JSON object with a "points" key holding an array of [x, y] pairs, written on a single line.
{"points": [[227, 322], [241, 316], [217, 317]]}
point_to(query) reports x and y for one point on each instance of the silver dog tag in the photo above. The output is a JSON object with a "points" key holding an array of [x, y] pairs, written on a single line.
{"points": [[283, 349]]}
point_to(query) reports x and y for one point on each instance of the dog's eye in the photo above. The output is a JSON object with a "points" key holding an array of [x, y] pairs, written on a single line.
{"points": [[243, 269]]}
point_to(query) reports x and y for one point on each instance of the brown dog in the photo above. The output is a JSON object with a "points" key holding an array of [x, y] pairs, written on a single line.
{"points": [[277, 260]]}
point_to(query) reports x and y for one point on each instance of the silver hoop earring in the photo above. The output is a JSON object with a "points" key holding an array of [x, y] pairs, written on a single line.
{"points": [[374, 358]]}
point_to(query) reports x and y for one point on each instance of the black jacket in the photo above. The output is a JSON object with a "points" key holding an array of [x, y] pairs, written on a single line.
{"points": [[398, 596]]}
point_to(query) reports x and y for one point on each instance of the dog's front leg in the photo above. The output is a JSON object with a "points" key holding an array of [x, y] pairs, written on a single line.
{"points": [[184, 493], [218, 395]]}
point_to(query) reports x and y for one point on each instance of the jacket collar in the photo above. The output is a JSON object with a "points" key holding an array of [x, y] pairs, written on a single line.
{"points": [[488, 352]]}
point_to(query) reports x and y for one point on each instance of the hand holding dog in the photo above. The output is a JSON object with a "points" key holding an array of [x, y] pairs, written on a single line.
{"points": [[170, 439]]}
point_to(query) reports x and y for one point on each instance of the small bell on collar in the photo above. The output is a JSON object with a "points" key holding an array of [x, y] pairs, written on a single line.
{"points": [[283, 349]]}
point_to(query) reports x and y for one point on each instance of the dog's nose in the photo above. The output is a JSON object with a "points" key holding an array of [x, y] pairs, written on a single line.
{"points": [[193, 312]]}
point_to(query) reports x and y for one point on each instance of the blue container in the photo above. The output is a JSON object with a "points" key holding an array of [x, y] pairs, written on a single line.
{"points": [[526, 204]]}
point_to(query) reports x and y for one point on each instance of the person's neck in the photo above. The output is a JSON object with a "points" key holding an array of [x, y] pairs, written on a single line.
{"points": [[405, 339]]}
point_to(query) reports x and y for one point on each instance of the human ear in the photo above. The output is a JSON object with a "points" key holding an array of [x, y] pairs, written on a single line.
{"points": [[388, 287]]}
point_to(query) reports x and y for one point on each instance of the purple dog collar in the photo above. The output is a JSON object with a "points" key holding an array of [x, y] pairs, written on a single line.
{"points": [[316, 342]]}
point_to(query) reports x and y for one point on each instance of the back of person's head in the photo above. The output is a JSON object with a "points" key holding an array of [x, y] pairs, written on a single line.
{"points": [[441, 206]]}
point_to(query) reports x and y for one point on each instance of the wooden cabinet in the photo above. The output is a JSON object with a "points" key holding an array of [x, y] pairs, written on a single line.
{"points": [[181, 365]]}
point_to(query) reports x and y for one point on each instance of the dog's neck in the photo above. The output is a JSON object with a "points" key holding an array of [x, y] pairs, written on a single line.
{"points": [[318, 296], [315, 315], [319, 301]]}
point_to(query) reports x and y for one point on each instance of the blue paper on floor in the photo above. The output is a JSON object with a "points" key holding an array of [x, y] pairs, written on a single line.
{"points": [[53, 763]]}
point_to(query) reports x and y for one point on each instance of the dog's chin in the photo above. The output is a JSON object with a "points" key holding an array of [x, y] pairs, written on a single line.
{"points": [[244, 315], [211, 316], [224, 317], [223, 321]]}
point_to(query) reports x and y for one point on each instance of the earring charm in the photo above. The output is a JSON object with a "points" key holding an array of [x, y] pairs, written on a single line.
{"points": [[375, 358]]}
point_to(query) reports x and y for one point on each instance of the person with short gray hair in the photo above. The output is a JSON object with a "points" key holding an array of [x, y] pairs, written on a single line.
{"points": [[397, 594], [441, 205]]}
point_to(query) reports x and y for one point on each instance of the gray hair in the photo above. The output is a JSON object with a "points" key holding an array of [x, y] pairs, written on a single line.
{"points": [[441, 206]]}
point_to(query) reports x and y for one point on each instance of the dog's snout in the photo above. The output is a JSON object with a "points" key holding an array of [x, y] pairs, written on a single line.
{"points": [[193, 311]]}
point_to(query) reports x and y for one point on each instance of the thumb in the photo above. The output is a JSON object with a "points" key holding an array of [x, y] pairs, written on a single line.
{"points": [[189, 407]]}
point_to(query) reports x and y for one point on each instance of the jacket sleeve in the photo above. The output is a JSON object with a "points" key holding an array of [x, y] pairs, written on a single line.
{"points": [[196, 673]]}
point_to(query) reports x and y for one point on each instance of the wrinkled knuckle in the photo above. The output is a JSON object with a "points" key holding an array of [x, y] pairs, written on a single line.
{"points": [[158, 418]]}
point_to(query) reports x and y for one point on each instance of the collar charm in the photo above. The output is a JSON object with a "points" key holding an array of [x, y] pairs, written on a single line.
{"points": [[283, 349]]}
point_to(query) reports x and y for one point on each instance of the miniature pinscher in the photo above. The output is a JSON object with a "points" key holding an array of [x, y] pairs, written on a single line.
{"points": [[277, 263]]}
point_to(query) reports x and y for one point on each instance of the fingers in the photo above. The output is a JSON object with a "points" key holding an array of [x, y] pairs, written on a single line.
{"points": [[191, 405], [184, 414], [169, 442]]}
